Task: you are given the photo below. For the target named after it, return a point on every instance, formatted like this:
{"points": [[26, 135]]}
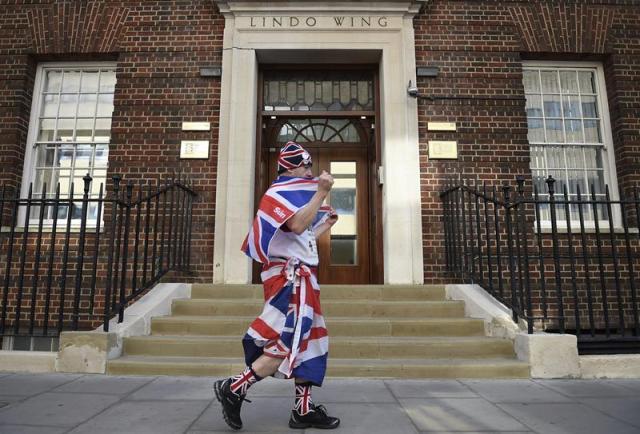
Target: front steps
{"points": [[375, 331]]}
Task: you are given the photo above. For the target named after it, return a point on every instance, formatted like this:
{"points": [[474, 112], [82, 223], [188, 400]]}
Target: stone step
{"points": [[331, 308], [328, 292], [237, 326], [339, 347], [370, 368]]}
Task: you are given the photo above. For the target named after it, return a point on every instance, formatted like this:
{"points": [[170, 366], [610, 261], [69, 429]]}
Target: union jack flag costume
{"points": [[291, 325]]}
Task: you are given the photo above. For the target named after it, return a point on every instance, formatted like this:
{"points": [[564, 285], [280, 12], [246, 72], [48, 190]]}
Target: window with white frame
{"points": [[70, 131], [568, 130]]}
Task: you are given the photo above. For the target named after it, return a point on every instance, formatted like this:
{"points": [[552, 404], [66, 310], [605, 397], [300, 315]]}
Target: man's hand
{"points": [[333, 218], [325, 182]]}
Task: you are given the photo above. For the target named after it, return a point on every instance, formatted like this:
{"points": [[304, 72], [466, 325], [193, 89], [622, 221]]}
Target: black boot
{"points": [[316, 418], [231, 403]]}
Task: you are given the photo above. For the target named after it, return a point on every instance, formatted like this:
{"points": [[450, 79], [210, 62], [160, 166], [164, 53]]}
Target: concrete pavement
{"points": [[69, 403]]}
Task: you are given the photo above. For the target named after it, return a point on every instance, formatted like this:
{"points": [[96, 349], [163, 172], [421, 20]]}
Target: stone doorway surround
{"points": [[331, 32]]}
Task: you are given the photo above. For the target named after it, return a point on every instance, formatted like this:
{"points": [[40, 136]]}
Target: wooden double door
{"points": [[342, 148]]}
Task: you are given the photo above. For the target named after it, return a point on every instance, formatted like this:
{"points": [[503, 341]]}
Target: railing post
{"points": [[52, 250], [125, 253], [506, 193], [80, 258], [23, 257], [574, 277], [616, 269], [36, 262], [585, 261], [110, 254], [496, 223], [603, 289], [525, 249], [556, 251]]}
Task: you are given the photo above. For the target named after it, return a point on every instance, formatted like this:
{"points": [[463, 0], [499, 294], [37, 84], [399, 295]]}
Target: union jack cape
{"points": [[291, 326], [282, 200]]}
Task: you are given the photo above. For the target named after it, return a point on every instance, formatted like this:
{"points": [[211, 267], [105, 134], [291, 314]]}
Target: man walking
{"points": [[289, 338]]}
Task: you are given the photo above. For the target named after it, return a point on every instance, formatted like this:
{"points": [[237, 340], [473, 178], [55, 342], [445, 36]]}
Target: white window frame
{"points": [[609, 163], [28, 172]]}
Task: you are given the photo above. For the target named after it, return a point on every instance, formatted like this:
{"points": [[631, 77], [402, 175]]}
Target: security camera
{"points": [[412, 90]]}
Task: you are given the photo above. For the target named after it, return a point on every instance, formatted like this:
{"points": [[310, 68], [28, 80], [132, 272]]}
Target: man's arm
{"points": [[301, 220], [321, 229]]}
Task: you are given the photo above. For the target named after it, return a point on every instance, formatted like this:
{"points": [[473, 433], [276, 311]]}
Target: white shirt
{"points": [[286, 244]]}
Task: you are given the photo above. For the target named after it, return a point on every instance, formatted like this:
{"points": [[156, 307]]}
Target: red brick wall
{"points": [[159, 47], [479, 46]]}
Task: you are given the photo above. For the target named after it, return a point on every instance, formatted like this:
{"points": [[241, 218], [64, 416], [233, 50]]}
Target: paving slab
{"points": [[28, 429], [624, 409], [56, 409], [566, 418], [262, 414], [459, 414], [176, 388], [429, 389], [104, 384], [352, 391], [144, 417], [511, 391], [628, 383], [587, 388], [10, 399], [367, 418], [32, 384]]}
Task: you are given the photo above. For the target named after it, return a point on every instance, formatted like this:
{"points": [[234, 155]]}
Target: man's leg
{"points": [[305, 414], [233, 390]]}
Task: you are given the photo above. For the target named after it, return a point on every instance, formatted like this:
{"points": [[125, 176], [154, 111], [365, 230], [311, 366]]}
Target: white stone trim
{"points": [[28, 361], [398, 123]]}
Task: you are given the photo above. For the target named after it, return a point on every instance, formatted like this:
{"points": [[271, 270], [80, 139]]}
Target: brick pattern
{"points": [[479, 46]]}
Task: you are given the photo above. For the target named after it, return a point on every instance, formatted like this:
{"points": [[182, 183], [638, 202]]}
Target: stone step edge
{"points": [[365, 339]]}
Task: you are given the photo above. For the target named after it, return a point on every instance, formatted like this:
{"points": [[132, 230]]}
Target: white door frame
{"points": [[389, 30]]}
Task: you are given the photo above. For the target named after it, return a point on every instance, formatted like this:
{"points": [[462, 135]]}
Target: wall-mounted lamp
{"points": [[427, 71], [211, 71], [412, 90]]}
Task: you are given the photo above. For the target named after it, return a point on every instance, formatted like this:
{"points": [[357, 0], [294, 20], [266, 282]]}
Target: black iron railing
{"points": [[564, 262], [71, 262]]}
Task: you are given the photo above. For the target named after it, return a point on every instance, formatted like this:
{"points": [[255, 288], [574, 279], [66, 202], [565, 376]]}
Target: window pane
{"points": [[84, 153], [592, 131], [53, 79], [552, 106], [531, 81], [107, 81], [569, 81], [87, 107], [68, 105], [89, 81], [534, 106], [587, 82], [102, 155], [537, 157], [47, 127], [573, 130], [589, 107], [84, 130], [594, 158], [575, 159], [50, 106], [343, 200], [105, 104], [571, 106], [64, 158], [549, 82], [554, 131], [71, 81], [554, 157], [536, 130], [65, 130], [45, 156], [103, 130]]}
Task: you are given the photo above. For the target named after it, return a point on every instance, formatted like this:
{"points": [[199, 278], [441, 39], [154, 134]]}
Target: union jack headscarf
{"points": [[292, 155]]}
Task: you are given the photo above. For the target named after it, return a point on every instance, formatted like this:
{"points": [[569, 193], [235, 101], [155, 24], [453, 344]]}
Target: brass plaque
{"points": [[443, 150], [196, 126], [441, 126], [194, 149]]}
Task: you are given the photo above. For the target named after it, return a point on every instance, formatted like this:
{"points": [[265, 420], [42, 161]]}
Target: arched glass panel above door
{"points": [[319, 130], [318, 91]]}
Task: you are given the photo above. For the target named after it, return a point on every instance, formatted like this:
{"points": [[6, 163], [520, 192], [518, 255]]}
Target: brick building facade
{"points": [[482, 49]]}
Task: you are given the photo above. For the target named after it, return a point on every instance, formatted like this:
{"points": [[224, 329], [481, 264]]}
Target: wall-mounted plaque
{"points": [[194, 149], [441, 126], [196, 126], [443, 150]]}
